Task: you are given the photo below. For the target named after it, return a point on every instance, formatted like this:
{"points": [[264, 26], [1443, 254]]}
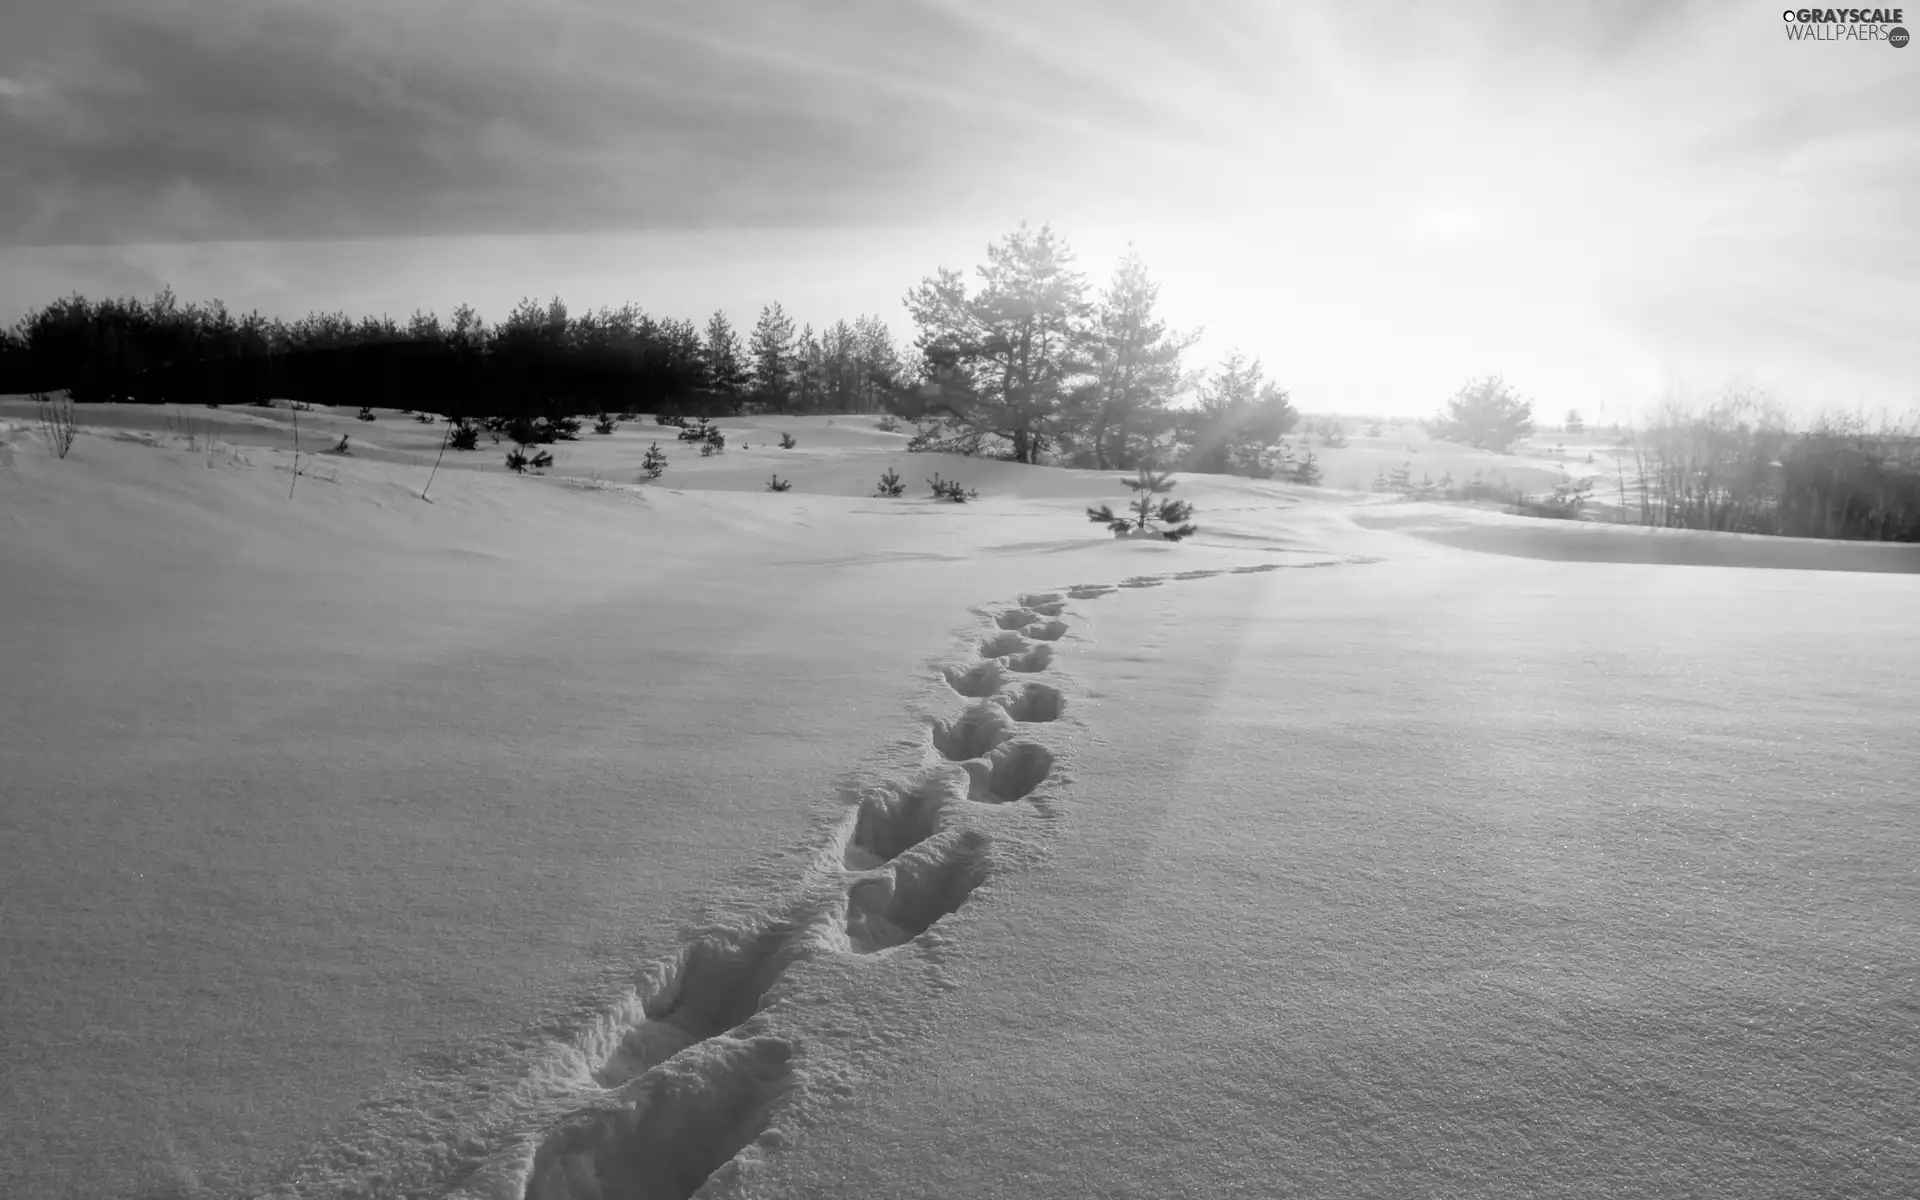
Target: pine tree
{"points": [[1005, 357], [771, 348], [1307, 470], [1486, 413], [1146, 485], [890, 484], [1136, 362], [726, 373], [654, 463], [1575, 423], [1239, 418]]}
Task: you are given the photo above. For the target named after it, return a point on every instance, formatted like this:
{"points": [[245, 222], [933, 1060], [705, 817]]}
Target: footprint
{"points": [[717, 982], [1051, 631], [894, 819], [1089, 591], [981, 679], [1016, 618], [1037, 659], [1048, 604], [1035, 703], [1141, 581], [1255, 569], [1009, 773], [1196, 575], [926, 883], [973, 733], [686, 1121], [1002, 644]]}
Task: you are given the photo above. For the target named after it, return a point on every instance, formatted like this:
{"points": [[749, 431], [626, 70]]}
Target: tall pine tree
{"points": [[1136, 360], [771, 348], [726, 373], [1011, 351]]}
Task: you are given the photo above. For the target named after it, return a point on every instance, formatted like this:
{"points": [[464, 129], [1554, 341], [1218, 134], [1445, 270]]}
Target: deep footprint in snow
{"points": [[894, 819], [687, 1120], [1089, 591], [977, 681], [1016, 618], [1009, 773], [1141, 581], [973, 733], [1048, 604], [717, 982], [1051, 631], [926, 883], [1037, 659], [1255, 569], [1196, 575], [1034, 703], [1002, 644]]}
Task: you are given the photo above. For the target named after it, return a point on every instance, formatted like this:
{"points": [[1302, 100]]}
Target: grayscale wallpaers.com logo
{"points": [[1846, 25]]}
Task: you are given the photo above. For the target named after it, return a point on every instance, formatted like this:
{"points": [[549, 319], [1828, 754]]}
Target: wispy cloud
{"points": [[1677, 181]]}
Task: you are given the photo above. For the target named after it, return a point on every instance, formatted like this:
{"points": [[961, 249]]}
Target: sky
{"points": [[1604, 202]]}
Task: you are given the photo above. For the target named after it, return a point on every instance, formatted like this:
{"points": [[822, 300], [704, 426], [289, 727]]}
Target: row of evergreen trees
{"points": [[541, 358], [1027, 364]]}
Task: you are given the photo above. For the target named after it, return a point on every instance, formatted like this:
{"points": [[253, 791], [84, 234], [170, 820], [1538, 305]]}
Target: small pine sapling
{"points": [[654, 463], [340, 447], [465, 436], [566, 429], [606, 424], [777, 484], [787, 441], [708, 450], [366, 413], [1307, 470], [517, 461], [890, 484], [1147, 484]]}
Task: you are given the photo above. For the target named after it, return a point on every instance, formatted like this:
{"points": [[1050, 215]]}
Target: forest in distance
{"points": [[1029, 364]]}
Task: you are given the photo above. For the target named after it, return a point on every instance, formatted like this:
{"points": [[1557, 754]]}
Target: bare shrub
{"points": [[56, 421]]}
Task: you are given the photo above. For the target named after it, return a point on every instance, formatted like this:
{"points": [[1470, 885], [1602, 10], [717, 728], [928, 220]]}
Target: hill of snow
{"points": [[568, 836]]}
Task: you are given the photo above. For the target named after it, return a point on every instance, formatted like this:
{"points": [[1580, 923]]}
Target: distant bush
{"points": [[464, 436], [424, 418], [777, 484], [366, 414], [606, 424], [669, 419], [340, 447], [787, 441], [888, 424]]}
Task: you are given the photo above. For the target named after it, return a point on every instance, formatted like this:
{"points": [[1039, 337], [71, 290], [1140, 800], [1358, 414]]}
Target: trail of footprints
{"points": [[691, 1077]]}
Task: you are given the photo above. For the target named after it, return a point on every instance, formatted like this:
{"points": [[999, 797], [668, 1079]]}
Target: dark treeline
{"points": [[1738, 468], [541, 358]]}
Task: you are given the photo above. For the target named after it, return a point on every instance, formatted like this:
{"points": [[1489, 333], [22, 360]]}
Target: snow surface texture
{"points": [[563, 838]]}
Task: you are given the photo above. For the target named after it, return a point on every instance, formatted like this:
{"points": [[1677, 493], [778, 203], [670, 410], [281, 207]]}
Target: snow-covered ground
{"points": [[571, 837]]}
